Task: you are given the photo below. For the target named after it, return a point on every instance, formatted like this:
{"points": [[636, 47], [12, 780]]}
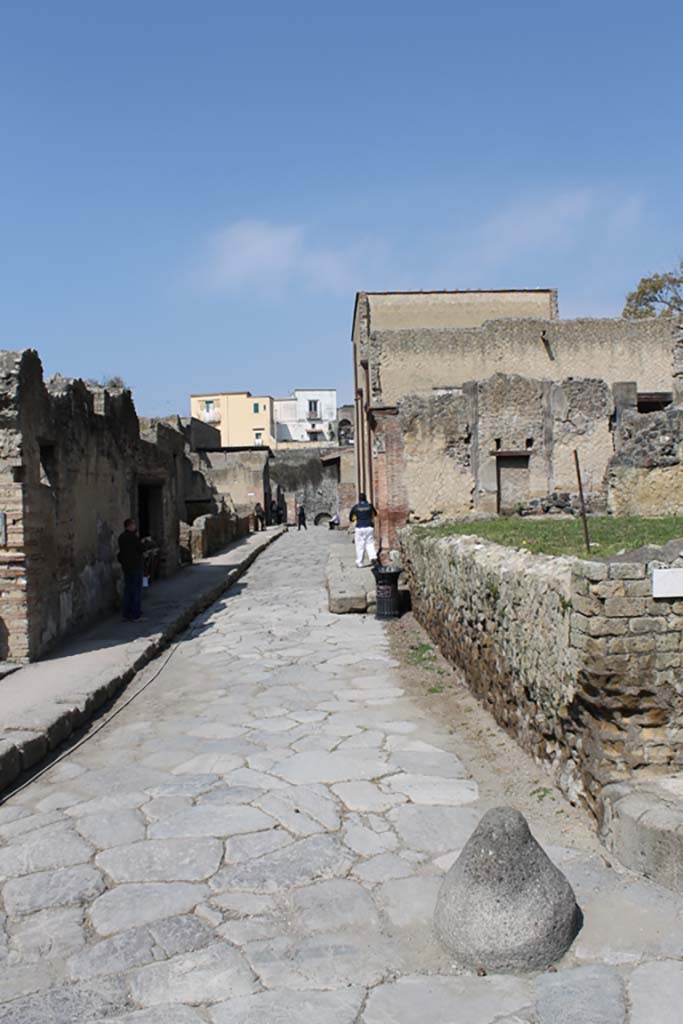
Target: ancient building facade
{"points": [[446, 424], [75, 462], [73, 466]]}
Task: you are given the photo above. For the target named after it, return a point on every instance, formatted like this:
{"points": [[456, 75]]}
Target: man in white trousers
{"points": [[362, 515]]}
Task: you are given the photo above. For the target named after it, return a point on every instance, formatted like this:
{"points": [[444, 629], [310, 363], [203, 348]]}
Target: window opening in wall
{"points": [[48, 465], [255, 407], [654, 401], [208, 405], [258, 437], [529, 442], [497, 442]]}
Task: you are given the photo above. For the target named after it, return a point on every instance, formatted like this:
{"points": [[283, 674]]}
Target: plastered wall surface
{"points": [[396, 310], [406, 361]]}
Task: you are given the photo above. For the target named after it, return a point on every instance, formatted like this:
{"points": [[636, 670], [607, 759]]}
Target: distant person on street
{"points": [[132, 562], [362, 515], [274, 514], [259, 517], [301, 517]]}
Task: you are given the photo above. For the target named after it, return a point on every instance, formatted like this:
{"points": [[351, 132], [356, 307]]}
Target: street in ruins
{"points": [[258, 838]]}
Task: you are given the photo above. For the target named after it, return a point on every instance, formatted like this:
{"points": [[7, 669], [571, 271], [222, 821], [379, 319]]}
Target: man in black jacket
{"points": [[362, 515], [131, 559]]}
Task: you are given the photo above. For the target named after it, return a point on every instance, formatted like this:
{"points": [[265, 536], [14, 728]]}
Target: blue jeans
{"points": [[132, 595]]}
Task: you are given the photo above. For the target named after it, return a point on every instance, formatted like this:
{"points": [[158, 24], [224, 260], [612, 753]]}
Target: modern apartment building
{"points": [[244, 420]]}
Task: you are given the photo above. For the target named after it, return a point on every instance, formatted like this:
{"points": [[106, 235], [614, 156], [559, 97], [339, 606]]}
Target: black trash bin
{"points": [[388, 598]]}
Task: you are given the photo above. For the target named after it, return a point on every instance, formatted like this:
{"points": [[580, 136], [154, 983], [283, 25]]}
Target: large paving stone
{"points": [[255, 844], [446, 1000], [181, 934], [112, 956], [212, 820], [284, 1007], [366, 797], [594, 994], [504, 905], [656, 993], [633, 921], [324, 961], [432, 790], [115, 829], [331, 906], [48, 934], [52, 889], [159, 1015], [313, 767], [302, 861], [40, 852], [409, 902], [303, 810], [68, 1004], [162, 860], [434, 829], [135, 904], [428, 762], [206, 976]]}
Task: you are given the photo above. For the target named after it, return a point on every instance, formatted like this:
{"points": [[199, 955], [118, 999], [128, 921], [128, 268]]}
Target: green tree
{"points": [[657, 295]]}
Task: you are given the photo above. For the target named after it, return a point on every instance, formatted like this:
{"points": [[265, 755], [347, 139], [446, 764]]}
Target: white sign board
{"points": [[667, 582]]}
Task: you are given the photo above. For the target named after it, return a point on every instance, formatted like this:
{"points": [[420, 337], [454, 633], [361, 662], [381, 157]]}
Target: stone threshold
{"points": [[43, 703]]}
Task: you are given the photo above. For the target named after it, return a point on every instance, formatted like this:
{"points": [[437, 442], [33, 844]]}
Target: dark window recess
{"points": [[529, 442], [497, 443], [654, 401], [48, 465], [18, 474]]}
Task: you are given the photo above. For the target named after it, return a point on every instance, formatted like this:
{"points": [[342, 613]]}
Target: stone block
{"points": [[642, 823], [647, 624], [626, 570], [10, 762], [504, 906], [625, 606], [593, 571]]}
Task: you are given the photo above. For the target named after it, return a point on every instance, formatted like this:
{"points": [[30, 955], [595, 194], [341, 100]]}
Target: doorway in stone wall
{"points": [[150, 512], [513, 482]]}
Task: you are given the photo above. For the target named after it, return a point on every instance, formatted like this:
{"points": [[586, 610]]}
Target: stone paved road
{"points": [[258, 839]]}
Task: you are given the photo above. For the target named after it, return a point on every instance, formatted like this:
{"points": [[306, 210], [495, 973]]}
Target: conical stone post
{"points": [[504, 906]]}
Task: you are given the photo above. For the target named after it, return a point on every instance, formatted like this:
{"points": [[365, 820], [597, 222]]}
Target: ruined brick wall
{"points": [[211, 533], [390, 495], [646, 471], [14, 633], [506, 443], [80, 463], [239, 478], [305, 478], [575, 659]]}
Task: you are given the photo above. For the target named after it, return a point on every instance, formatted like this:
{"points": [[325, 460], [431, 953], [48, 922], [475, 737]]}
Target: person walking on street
{"points": [[259, 517], [362, 515], [301, 517], [131, 558]]}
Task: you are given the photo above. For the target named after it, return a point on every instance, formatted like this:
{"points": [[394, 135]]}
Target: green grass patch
{"points": [[609, 534]]}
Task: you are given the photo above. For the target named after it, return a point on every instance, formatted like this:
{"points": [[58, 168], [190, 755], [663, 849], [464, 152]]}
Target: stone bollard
{"points": [[504, 906]]}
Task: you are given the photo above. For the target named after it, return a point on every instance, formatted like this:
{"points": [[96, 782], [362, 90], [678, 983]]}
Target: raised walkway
{"points": [[43, 703]]}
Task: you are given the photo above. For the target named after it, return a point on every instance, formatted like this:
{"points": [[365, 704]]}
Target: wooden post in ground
{"points": [[586, 535]]}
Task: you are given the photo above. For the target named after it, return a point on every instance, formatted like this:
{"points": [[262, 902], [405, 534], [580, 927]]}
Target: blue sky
{"points": [[191, 193]]}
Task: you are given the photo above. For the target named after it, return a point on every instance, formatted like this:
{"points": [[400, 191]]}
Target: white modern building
{"points": [[309, 414]]}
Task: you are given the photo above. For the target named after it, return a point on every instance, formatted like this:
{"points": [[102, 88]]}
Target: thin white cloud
{"points": [[269, 258], [545, 224]]}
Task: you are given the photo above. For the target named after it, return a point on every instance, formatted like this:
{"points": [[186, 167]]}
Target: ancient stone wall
{"points": [[78, 467], [211, 533], [304, 477], [403, 362], [240, 478], [575, 659], [502, 444], [646, 471]]}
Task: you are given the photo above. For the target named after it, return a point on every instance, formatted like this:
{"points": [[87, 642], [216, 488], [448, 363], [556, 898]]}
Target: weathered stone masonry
{"points": [[575, 659]]}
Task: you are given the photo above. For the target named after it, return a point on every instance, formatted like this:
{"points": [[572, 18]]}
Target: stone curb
{"points": [[24, 747], [642, 824]]}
